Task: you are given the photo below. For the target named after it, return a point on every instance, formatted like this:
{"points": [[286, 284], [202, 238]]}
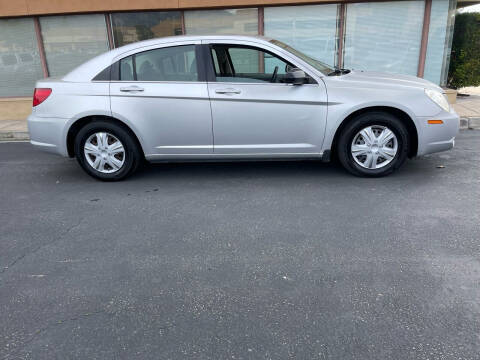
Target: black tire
{"points": [[362, 121], [132, 156]]}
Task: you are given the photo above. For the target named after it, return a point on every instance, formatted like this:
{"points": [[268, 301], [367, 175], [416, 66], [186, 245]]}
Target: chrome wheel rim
{"points": [[104, 152], [374, 147]]}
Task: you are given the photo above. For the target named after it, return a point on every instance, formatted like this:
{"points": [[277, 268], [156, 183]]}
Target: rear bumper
{"points": [[47, 134], [434, 138]]}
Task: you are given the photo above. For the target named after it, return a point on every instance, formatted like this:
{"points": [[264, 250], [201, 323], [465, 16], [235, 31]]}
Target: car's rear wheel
{"points": [[373, 144], [106, 151]]}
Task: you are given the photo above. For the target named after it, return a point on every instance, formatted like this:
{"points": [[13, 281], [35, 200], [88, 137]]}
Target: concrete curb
{"points": [[470, 123], [14, 136], [474, 123]]}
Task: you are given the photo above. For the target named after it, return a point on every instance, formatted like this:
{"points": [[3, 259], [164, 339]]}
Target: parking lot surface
{"points": [[259, 260]]}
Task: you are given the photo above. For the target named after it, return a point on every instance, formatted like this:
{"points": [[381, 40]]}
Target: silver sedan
{"points": [[235, 97]]}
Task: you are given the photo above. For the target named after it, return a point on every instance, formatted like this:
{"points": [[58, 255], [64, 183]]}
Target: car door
{"points": [[253, 111], [162, 93]]}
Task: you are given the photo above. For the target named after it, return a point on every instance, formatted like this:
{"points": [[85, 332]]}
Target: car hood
{"points": [[388, 79]]}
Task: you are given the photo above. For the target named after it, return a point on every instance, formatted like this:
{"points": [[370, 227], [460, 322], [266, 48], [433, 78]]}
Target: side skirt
{"points": [[159, 158]]}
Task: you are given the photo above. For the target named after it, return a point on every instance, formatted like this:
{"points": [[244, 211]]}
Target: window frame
{"points": [[210, 66]]}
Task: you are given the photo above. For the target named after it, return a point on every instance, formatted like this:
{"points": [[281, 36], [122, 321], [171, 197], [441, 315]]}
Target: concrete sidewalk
{"points": [[467, 107], [13, 130]]}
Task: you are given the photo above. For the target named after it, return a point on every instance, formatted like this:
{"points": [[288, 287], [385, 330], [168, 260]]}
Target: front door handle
{"points": [[132, 88], [228, 91]]}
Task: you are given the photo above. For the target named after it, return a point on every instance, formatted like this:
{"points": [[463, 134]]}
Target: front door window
{"points": [[245, 64]]}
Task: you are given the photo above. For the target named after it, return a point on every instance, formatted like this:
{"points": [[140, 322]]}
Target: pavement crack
{"points": [[21, 257]]}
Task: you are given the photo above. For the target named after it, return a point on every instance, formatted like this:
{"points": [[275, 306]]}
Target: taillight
{"points": [[40, 95]]}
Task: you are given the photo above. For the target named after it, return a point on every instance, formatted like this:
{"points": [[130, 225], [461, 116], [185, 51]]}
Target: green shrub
{"points": [[465, 59]]}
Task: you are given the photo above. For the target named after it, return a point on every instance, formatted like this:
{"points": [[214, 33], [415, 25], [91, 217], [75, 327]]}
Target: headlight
{"points": [[438, 98]]}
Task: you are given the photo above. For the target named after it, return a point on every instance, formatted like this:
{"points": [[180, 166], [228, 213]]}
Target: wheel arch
{"points": [[408, 121], [81, 122]]}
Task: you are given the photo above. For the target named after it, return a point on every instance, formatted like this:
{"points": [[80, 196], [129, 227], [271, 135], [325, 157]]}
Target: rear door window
{"points": [[126, 69], [177, 63]]}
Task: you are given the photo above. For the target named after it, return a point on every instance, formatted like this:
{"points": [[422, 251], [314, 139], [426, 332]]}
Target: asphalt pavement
{"points": [[280, 260]]}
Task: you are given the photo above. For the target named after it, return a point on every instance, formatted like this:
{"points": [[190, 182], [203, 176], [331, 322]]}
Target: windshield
{"points": [[317, 64]]}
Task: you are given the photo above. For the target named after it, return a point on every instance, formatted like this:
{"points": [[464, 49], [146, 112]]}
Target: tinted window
{"points": [[215, 62], [167, 64], [126, 69], [104, 75]]}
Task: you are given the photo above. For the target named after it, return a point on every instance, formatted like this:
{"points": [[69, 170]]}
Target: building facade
{"points": [[45, 38]]}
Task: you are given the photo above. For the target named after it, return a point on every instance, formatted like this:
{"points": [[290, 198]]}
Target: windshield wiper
{"points": [[338, 71]]}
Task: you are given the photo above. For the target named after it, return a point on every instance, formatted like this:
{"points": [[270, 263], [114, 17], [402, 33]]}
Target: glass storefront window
{"points": [[310, 29], [384, 36], [71, 40], [227, 21], [131, 27], [20, 63], [439, 41]]}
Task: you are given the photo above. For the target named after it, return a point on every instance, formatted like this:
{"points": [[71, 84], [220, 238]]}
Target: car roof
{"points": [[92, 67], [167, 39]]}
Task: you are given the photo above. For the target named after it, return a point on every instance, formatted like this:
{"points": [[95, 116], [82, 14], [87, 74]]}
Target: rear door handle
{"points": [[132, 88], [228, 91]]}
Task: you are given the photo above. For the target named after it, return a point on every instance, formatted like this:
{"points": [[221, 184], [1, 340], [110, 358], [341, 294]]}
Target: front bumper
{"points": [[48, 134], [434, 138]]}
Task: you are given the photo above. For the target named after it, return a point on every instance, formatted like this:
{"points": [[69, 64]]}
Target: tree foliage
{"points": [[465, 58]]}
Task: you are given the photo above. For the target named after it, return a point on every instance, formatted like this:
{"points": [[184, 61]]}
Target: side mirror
{"points": [[296, 77]]}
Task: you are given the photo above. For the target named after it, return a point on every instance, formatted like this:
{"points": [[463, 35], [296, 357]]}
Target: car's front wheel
{"points": [[106, 151], [373, 144]]}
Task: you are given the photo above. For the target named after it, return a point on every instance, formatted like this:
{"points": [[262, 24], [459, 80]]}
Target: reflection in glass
{"points": [[440, 41], [71, 40], [176, 63], [317, 64], [126, 69], [137, 26], [310, 29], [20, 63], [227, 21], [384, 36], [248, 64]]}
